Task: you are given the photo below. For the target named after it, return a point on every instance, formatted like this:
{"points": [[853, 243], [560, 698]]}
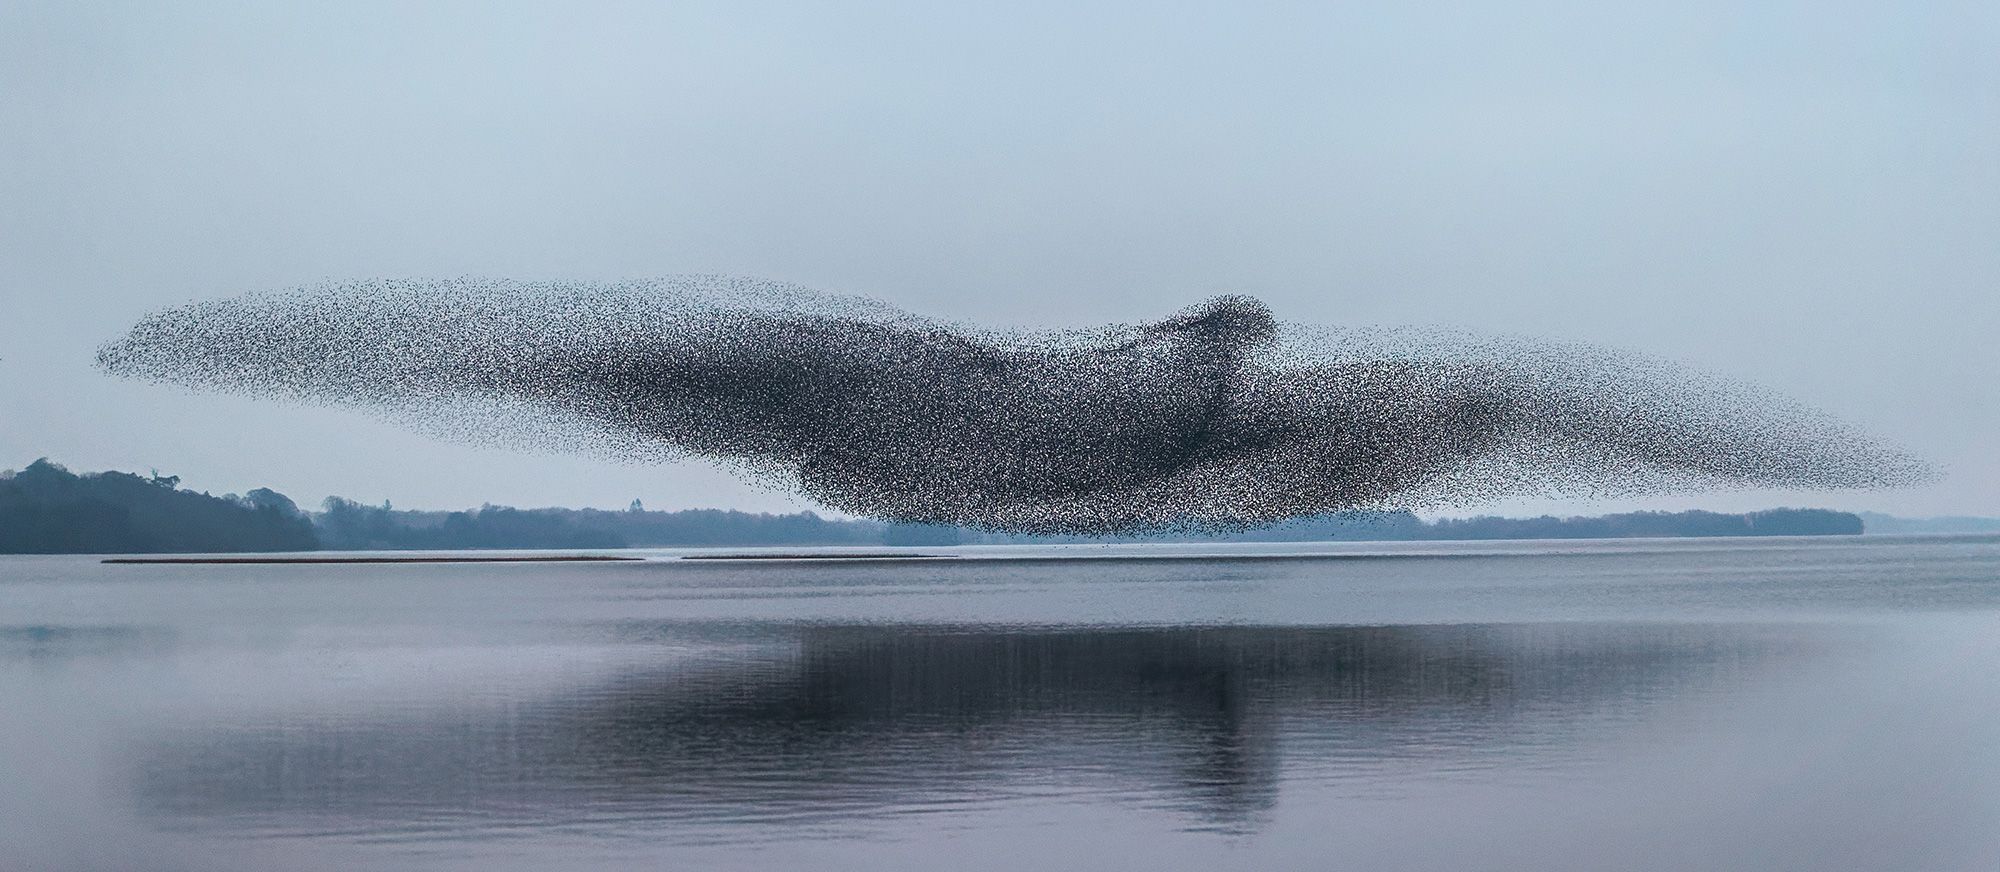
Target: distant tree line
{"points": [[48, 509], [1771, 522], [347, 525], [1960, 524], [1405, 526]]}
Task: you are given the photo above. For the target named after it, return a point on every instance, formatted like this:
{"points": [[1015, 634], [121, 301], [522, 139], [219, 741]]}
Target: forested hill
{"points": [[47, 509]]}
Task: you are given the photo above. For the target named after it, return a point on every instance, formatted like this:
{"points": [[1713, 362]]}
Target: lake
{"points": [[1756, 704]]}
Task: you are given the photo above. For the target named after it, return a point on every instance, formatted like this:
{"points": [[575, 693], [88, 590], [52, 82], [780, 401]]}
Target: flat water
{"points": [[1771, 704]]}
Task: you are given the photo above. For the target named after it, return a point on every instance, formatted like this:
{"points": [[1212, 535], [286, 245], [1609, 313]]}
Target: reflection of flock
{"points": [[1219, 417], [58, 642], [827, 725]]}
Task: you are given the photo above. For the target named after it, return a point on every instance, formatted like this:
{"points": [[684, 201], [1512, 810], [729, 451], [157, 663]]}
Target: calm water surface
{"points": [[1808, 704]]}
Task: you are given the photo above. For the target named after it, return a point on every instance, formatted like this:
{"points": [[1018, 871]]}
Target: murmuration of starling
{"points": [[1215, 418]]}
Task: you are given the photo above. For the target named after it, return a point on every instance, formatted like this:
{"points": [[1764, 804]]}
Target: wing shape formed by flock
{"points": [[1217, 417]]}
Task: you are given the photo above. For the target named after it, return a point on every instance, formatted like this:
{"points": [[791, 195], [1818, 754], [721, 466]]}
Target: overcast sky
{"points": [[1806, 195]]}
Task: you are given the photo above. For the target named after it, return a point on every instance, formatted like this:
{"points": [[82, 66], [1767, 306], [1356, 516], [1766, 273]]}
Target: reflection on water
{"points": [[1572, 707], [47, 642], [828, 726]]}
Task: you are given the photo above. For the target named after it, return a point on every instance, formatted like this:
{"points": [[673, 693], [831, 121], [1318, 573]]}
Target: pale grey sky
{"points": [[1806, 195]]}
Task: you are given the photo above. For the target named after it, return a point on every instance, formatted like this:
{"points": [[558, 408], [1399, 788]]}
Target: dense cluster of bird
{"points": [[1217, 417]]}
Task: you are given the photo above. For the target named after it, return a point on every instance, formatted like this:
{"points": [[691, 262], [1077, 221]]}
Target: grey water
{"points": [[1771, 704]]}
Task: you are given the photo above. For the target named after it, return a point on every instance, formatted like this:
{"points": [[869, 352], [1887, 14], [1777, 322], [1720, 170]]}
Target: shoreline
{"points": [[552, 558]]}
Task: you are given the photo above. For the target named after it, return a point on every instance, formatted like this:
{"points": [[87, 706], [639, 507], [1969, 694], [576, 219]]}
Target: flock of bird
{"points": [[1217, 417]]}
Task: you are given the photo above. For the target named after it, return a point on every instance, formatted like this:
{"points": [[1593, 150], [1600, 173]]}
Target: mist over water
{"points": [[1769, 704]]}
